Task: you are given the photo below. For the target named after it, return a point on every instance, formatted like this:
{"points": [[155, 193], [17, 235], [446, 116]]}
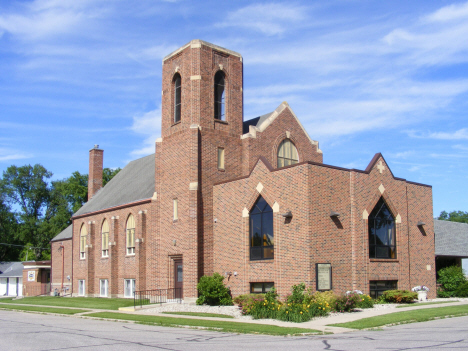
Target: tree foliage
{"points": [[454, 216], [34, 209]]}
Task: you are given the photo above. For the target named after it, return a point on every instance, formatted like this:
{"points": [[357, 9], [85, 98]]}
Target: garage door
{"points": [[3, 286], [12, 291]]}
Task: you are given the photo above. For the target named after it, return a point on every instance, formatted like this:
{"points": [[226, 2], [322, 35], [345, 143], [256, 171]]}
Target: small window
{"points": [[287, 153], [219, 96], [104, 286], [129, 287], [220, 158], [130, 235], [377, 287], [261, 288], [261, 231], [83, 235], [381, 232], [105, 238], [81, 288], [175, 203], [177, 82]]}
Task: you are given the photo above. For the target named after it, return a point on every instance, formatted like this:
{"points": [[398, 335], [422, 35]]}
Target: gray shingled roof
{"points": [[451, 238], [11, 269], [65, 234], [134, 182], [257, 121]]}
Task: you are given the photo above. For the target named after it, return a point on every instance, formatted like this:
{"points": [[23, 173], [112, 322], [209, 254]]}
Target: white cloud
{"points": [[148, 124], [9, 155], [45, 18], [449, 13], [267, 18], [461, 134]]}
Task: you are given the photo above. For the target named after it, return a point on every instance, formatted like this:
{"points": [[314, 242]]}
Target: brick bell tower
{"points": [[202, 115]]}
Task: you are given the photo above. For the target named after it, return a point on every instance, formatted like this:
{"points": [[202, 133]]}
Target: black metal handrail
{"points": [[147, 297]]}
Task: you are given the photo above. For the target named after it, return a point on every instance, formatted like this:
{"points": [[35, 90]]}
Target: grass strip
{"points": [[41, 309], [200, 314], [421, 315], [229, 327], [423, 303], [76, 302]]}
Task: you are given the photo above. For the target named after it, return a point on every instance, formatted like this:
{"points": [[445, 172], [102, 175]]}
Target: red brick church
{"points": [[251, 200]]}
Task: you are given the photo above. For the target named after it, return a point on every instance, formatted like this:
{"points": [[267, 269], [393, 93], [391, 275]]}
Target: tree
{"points": [[27, 189], [454, 216], [8, 225], [108, 174]]}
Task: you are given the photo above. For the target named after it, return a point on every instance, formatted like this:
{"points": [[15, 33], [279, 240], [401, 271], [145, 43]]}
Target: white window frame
{"points": [[106, 287], [132, 287], [81, 287]]}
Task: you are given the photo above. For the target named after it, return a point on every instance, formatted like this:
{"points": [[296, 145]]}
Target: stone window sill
{"points": [[384, 260]]}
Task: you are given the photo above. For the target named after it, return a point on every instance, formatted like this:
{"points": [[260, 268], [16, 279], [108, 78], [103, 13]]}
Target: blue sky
{"points": [[362, 76]]}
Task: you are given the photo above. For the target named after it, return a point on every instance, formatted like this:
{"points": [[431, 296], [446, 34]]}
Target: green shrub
{"points": [[247, 301], [296, 312], [366, 302], [450, 278], [212, 291], [462, 290], [323, 297], [297, 296], [266, 308], [399, 296], [346, 302]]}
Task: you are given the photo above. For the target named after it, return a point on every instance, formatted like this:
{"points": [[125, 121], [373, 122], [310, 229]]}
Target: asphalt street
{"points": [[28, 331]]}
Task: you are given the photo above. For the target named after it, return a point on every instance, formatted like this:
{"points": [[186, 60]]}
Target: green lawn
{"points": [[77, 302], [230, 327], [421, 315], [422, 304], [41, 309], [200, 314]]}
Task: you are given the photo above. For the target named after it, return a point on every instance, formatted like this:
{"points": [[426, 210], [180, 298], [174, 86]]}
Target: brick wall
{"points": [[311, 191]]}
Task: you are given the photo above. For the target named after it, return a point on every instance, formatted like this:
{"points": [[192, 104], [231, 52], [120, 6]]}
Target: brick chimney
{"points": [[95, 170]]}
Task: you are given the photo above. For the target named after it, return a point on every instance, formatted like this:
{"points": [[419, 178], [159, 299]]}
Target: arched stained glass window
{"points": [[105, 238], [83, 235], [219, 96], [130, 235], [287, 153], [381, 232], [261, 231], [177, 82]]}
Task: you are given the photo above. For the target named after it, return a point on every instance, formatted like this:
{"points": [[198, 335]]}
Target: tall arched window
{"points": [[130, 235], [287, 153], [83, 235], [177, 82], [105, 238], [219, 96], [261, 231], [381, 232]]}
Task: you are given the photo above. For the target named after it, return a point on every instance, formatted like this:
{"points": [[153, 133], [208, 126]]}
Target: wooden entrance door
{"points": [[178, 279]]}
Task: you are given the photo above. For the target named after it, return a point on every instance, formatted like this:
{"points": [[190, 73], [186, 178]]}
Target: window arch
{"points": [[261, 231], [177, 86], [130, 230], [105, 238], [287, 153], [83, 235], [382, 243], [220, 96]]}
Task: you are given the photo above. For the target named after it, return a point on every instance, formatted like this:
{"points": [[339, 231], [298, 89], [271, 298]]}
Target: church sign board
{"points": [[323, 276]]}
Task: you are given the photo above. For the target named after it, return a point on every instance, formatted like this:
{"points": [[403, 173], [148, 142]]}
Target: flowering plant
{"points": [[420, 288], [359, 292]]}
